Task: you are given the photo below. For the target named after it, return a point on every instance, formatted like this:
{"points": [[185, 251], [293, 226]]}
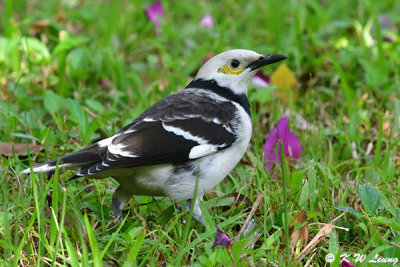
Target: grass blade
{"points": [[97, 261], [284, 194]]}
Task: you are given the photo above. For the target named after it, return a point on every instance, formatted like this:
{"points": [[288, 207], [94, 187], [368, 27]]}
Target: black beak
{"points": [[265, 60]]}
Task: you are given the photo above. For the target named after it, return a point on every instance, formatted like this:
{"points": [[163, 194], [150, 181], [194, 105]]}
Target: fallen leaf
{"points": [[61, 16], [250, 215], [162, 84], [38, 26], [324, 232], [307, 80], [8, 149], [386, 128], [299, 237]]}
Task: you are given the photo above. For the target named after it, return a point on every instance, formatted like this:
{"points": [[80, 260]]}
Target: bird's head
{"points": [[235, 68]]}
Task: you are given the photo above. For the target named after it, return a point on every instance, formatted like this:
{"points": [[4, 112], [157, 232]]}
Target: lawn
{"points": [[74, 72]]}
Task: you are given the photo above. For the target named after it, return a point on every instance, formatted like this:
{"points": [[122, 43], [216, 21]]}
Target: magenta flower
{"points": [[260, 80], [101, 83], [222, 239], [155, 12], [207, 21], [291, 144], [347, 264]]}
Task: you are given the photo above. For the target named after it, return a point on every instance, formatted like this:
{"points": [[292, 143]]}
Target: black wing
{"points": [[181, 127]]}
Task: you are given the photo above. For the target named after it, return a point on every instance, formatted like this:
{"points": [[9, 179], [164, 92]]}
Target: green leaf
{"points": [[78, 115], [95, 105], [7, 47], [69, 43], [53, 102], [35, 50], [72, 254], [264, 95], [272, 239], [93, 243], [134, 251], [334, 248], [304, 196], [369, 198], [79, 63], [237, 249], [386, 221], [166, 215], [312, 187], [352, 211], [387, 204]]}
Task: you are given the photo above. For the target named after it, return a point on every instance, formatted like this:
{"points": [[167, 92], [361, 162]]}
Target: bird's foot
{"points": [[119, 200], [196, 210]]}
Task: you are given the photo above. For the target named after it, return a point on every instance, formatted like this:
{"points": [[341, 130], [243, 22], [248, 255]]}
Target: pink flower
{"points": [[155, 12], [101, 83], [207, 21], [347, 264], [222, 239], [260, 80], [291, 144]]}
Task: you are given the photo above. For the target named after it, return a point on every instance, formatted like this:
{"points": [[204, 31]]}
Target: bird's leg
{"points": [[196, 209], [119, 200]]}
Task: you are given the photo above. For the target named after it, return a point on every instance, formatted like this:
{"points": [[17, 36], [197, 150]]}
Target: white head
{"points": [[235, 68]]}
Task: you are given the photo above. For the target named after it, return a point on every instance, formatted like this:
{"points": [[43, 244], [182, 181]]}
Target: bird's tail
{"points": [[76, 160]]}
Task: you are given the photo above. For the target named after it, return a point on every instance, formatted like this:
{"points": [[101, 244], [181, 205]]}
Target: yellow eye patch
{"points": [[227, 70]]}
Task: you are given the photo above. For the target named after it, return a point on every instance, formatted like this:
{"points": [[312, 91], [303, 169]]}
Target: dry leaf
{"points": [[300, 236], [8, 149], [162, 84], [307, 79], [61, 17], [250, 216], [324, 232], [284, 79], [386, 128], [38, 26]]}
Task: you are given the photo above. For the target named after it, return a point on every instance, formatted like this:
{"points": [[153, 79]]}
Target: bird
{"points": [[182, 146]]}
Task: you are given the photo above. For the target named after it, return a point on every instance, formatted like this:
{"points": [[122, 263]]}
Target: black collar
{"points": [[225, 92]]}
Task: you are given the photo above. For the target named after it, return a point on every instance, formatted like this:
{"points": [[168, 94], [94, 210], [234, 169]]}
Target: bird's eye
{"points": [[235, 63]]}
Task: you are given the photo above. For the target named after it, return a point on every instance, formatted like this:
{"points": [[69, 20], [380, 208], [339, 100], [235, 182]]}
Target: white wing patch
{"points": [[148, 119], [117, 150], [105, 142], [184, 134], [202, 150], [46, 168], [129, 131], [216, 121], [226, 127]]}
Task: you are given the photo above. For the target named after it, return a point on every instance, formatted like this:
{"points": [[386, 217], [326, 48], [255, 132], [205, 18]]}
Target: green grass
{"points": [[50, 91]]}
